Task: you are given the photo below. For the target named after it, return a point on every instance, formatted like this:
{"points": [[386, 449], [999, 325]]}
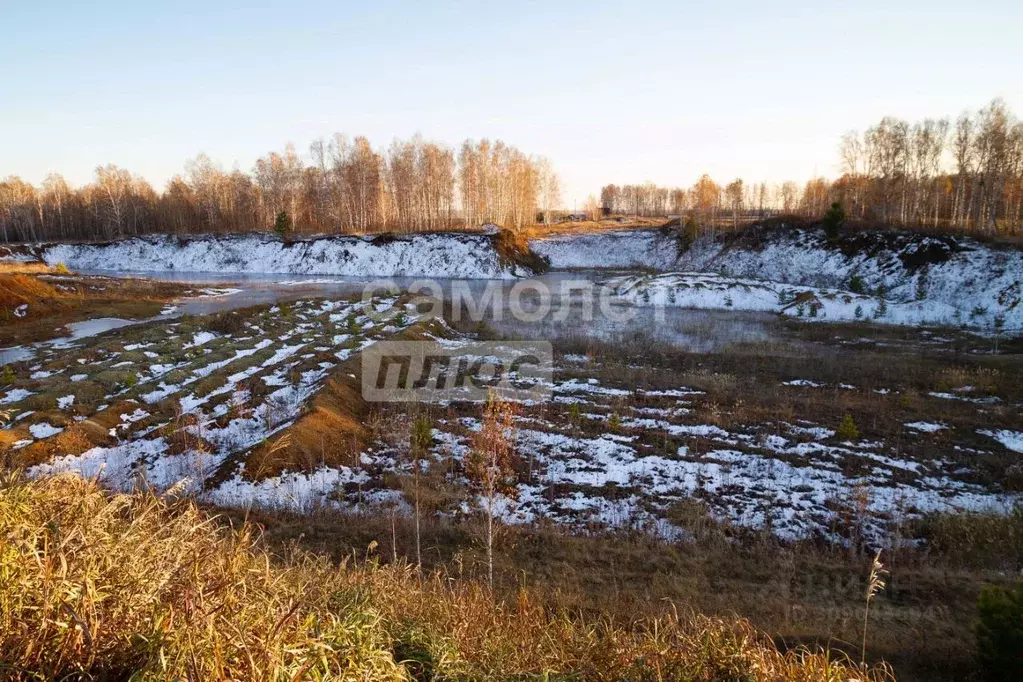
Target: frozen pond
{"points": [[553, 305]]}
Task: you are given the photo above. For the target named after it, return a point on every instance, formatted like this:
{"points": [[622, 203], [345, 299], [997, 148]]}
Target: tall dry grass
{"points": [[95, 585], [112, 586]]}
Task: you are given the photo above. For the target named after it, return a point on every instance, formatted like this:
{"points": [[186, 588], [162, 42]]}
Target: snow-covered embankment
{"points": [[469, 256], [924, 279]]}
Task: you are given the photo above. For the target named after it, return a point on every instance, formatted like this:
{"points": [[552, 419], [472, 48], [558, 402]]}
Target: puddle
{"points": [[14, 354], [78, 330], [95, 326]]}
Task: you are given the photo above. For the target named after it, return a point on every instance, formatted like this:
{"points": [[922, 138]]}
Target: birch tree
{"points": [[489, 467]]}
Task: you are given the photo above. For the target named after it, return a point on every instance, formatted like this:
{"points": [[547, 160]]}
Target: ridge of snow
{"points": [[466, 256]]}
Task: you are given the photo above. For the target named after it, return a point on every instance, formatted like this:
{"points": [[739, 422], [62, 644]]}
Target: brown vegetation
{"points": [[50, 302], [330, 433], [115, 586]]}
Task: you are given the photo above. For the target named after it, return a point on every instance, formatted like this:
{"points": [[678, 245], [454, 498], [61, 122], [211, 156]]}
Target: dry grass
{"points": [[73, 440], [594, 226], [116, 586], [330, 432], [24, 267], [18, 289], [512, 248], [55, 302], [808, 593]]}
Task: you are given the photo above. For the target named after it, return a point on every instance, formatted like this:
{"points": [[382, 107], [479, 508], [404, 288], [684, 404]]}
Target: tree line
{"points": [[966, 176], [344, 185]]}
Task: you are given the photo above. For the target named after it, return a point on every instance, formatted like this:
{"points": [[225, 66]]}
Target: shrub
{"points": [[882, 303], [614, 422], [1000, 633], [61, 269], [282, 225], [833, 220], [7, 377], [856, 284], [847, 430], [574, 414], [225, 323]]}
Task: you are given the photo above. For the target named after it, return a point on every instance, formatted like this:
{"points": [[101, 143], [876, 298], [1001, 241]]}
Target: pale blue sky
{"points": [[610, 92]]}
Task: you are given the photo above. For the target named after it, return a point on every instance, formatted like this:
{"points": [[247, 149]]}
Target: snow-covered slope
{"points": [[423, 255], [711, 291], [617, 249], [949, 274]]}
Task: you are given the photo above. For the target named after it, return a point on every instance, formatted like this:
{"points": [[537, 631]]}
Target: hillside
{"points": [[963, 281], [421, 255]]}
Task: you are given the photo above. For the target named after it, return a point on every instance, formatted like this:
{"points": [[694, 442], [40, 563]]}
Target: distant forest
{"points": [[345, 185], [965, 176]]}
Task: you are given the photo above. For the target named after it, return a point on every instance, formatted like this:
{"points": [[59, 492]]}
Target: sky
{"points": [[622, 92]]}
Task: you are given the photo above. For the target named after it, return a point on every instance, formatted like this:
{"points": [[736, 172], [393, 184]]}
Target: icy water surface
{"points": [[80, 330], [14, 354], [572, 301]]}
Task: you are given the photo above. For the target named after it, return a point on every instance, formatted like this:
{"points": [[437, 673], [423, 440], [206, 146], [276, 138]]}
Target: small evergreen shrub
{"points": [[882, 304], [574, 414], [282, 226], [833, 220], [856, 284], [847, 430]]}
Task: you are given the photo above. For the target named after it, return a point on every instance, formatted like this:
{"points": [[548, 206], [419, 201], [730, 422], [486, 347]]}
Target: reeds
{"points": [[110, 586], [875, 584]]}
